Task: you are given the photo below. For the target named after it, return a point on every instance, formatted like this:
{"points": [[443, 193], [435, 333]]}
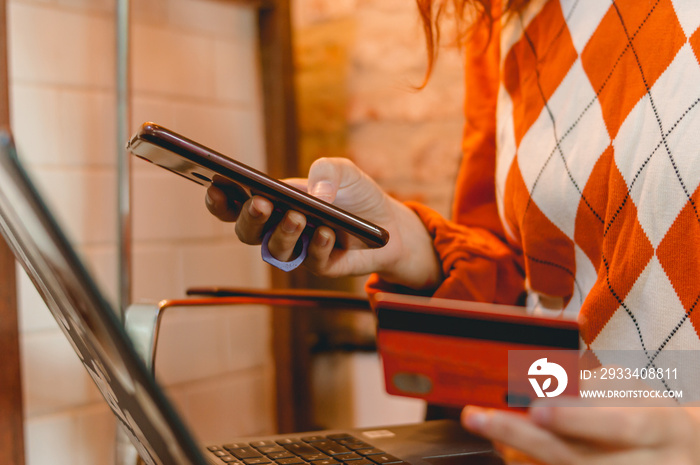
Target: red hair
{"points": [[467, 13]]}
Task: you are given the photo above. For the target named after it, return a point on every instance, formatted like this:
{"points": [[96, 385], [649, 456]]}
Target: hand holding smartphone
{"points": [[205, 166]]}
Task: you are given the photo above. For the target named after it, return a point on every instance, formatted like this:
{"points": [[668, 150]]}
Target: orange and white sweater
{"points": [[579, 180]]}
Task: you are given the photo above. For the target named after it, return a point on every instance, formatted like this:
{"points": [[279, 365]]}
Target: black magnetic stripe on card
{"points": [[476, 328]]}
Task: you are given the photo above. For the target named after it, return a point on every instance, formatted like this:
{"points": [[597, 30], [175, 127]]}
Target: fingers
{"points": [[324, 179], [299, 183], [519, 432], [320, 248], [251, 218], [565, 435], [250, 228], [218, 204], [251, 221], [285, 236], [619, 427], [327, 175], [284, 241]]}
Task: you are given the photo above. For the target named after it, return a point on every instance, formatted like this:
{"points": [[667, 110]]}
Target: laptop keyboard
{"points": [[333, 449]]}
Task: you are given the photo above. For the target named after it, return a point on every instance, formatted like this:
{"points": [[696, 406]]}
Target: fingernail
{"points": [[289, 224], [208, 200], [476, 421], [323, 238], [252, 210], [541, 415], [323, 190]]}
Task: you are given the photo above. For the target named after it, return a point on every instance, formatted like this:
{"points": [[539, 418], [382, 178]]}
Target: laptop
{"points": [[155, 429]]}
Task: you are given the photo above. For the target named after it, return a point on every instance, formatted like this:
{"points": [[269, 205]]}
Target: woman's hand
{"points": [[408, 259], [583, 432]]}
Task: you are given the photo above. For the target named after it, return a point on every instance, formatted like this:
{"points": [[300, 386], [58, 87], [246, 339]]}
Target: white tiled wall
{"points": [[194, 69]]}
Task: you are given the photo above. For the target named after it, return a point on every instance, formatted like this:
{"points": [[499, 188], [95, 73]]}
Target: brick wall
{"points": [[358, 64], [194, 69]]}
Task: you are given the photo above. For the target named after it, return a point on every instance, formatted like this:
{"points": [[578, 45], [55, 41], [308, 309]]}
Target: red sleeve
{"points": [[477, 261]]}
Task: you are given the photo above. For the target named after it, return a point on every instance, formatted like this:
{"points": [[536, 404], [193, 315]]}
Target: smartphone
{"points": [[205, 166]]}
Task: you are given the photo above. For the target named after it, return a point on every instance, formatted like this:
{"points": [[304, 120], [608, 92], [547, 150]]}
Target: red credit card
{"points": [[456, 353]]}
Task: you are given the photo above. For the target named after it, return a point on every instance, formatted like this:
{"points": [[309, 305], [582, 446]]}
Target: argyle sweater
{"points": [[580, 174]]}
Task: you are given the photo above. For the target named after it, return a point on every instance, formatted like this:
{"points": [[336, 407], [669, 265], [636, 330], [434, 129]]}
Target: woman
{"points": [[577, 191]]}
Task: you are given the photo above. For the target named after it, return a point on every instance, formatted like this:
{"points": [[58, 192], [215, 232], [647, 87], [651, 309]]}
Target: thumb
{"points": [[327, 175]]}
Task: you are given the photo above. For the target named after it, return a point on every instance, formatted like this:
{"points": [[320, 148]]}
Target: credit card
{"points": [[456, 353]]}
